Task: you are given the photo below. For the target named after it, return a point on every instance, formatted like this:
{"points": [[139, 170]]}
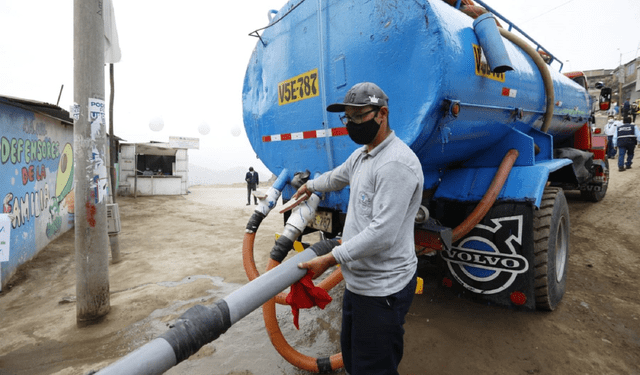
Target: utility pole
{"points": [[621, 79], [113, 237], [90, 155]]}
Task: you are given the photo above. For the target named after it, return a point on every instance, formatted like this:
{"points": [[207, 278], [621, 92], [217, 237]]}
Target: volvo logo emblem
{"points": [[483, 266]]}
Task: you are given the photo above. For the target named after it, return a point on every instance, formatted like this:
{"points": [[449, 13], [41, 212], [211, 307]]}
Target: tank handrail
{"points": [[255, 32], [513, 26]]}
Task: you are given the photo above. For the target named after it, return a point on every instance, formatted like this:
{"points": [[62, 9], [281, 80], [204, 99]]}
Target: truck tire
{"points": [[551, 248], [597, 196]]}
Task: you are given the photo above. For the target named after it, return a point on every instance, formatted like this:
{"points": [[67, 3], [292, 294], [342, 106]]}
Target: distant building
{"points": [[626, 75], [154, 168]]}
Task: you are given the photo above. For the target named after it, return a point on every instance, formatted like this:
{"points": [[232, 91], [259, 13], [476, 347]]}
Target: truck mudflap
{"points": [[596, 189], [495, 263], [516, 256]]}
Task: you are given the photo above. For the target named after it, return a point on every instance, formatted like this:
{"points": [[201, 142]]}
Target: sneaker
{"points": [[248, 204], [628, 167], [621, 169]]}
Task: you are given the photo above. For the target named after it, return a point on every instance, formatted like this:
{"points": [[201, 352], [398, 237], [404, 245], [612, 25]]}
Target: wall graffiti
{"points": [[22, 208], [32, 172], [15, 150], [36, 188]]}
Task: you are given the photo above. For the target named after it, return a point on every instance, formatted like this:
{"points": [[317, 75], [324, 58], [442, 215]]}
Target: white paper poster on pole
{"points": [[96, 116], [5, 237]]}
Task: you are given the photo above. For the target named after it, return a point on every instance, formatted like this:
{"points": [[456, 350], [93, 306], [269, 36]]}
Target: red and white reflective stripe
{"points": [[509, 92], [333, 132]]}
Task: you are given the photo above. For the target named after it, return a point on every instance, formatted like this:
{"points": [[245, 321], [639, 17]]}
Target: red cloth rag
{"points": [[304, 295]]}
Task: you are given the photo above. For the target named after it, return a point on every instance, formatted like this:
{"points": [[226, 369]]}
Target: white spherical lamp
{"points": [[156, 124], [203, 128]]}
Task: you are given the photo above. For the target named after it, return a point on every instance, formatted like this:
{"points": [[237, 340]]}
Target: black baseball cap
{"points": [[360, 95]]}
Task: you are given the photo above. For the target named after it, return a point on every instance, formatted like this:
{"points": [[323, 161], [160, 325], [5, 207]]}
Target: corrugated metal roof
{"points": [[153, 148], [46, 109]]}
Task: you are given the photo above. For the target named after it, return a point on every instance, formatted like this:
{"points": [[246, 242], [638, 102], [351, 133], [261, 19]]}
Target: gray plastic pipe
{"points": [[201, 325]]}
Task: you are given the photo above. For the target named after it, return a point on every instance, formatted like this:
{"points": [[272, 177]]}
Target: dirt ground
{"points": [[182, 251]]}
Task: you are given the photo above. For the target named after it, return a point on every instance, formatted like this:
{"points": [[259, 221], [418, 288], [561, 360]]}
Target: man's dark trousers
{"points": [[372, 331], [626, 146], [611, 152], [250, 188]]}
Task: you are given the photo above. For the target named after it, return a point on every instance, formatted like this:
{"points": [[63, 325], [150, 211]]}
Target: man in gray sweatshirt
{"points": [[377, 254]]}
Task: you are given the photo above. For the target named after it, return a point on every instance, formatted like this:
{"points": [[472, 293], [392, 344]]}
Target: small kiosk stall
{"points": [[155, 168]]}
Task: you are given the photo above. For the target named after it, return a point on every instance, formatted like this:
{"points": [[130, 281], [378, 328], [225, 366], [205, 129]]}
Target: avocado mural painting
{"points": [[36, 188]]}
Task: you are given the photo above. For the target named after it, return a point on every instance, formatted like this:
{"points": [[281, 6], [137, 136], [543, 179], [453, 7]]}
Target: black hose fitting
{"points": [[324, 247], [281, 249], [299, 179], [197, 327], [254, 222]]}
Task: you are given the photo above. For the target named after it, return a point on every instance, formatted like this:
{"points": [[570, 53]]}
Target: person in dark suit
{"points": [[253, 180]]}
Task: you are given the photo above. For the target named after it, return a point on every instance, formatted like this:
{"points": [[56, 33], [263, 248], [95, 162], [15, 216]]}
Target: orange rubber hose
{"points": [[269, 312], [489, 197], [247, 256], [281, 345]]}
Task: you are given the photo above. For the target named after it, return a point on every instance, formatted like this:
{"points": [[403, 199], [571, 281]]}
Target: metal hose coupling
{"points": [[303, 214], [298, 220]]}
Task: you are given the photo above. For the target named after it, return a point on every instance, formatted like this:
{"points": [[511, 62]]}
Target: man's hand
{"points": [[319, 265], [303, 190], [300, 196]]}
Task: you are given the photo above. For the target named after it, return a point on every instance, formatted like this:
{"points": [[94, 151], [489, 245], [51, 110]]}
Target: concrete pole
{"points": [[90, 156]]}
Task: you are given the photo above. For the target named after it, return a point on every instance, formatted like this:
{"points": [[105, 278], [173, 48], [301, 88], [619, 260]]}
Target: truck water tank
{"points": [[425, 55]]}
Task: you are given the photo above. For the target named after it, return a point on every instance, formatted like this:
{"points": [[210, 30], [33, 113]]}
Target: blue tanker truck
{"points": [[499, 131]]}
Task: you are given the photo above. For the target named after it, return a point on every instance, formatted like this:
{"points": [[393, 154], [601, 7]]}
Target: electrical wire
{"points": [[547, 12]]}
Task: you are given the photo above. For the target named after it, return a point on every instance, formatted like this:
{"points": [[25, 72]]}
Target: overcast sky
{"points": [[185, 61]]}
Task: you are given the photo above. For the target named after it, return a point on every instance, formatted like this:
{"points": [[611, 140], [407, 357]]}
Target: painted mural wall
{"points": [[36, 186]]}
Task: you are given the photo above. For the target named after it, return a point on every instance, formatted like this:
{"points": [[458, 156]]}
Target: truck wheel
{"points": [[597, 196], [551, 248]]}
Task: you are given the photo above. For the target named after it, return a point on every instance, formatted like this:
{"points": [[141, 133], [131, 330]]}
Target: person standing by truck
{"points": [[626, 108], [377, 253], [625, 139], [252, 180], [609, 130]]}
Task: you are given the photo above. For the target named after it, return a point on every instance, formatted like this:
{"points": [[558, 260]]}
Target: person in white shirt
{"points": [[377, 254], [610, 130]]}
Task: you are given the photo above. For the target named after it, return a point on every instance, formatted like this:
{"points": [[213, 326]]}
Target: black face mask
{"points": [[364, 132]]}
